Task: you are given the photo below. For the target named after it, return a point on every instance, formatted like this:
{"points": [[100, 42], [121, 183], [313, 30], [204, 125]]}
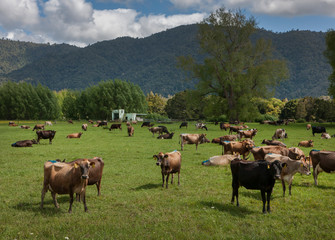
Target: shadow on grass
{"points": [[232, 209], [147, 186], [48, 208]]}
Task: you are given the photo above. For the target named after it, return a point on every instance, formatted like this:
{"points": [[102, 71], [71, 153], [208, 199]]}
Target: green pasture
{"points": [[133, 205]]}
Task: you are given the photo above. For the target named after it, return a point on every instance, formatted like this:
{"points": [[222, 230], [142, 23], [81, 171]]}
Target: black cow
{"points": [[318, 129], [24, 143], [257, 175], [183, 124], [166, 136], [49, 134], [102, 123], [147, 124], [164, 129]]}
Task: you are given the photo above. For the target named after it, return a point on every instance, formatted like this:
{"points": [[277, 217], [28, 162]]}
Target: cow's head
{"points": [[159, 158], [304, 168], [275, 168], [84, 166]]}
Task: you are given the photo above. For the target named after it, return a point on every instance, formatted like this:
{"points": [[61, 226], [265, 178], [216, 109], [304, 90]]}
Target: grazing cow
{"points": [[242, 147], [247, 133], [84, 126], [38, 126], [49, 134], [273, 142], [154, 130], [308, 126], [66, 178], [318, 129], [74, 135], [48, 123], [200, 126], [164, 129], [25, 127], [24, 143], [115, 126], [130, 131], [146, 124], [102, 123], [183, 124], [258, 175], [70, 121], [166, 136], [291, 168], [90, 121], [325, 135], [196, 139], [224, 126], [260, 152], [322, 161], [228, 138], [279, 134], [221, 160], [235, 129], [170, 163], [308, 143], [95, 174]]}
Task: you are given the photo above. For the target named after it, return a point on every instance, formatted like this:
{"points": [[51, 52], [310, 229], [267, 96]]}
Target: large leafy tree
{"points": [[156, 103], [330, 54], [234, 68]]}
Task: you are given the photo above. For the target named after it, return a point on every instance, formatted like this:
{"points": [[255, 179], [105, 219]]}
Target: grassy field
{"points": [[133, 205]]}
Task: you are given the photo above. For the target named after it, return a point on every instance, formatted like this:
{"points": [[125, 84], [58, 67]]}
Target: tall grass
{"points": [[133, 205]]}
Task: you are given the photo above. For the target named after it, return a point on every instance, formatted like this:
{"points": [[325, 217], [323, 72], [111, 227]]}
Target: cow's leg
{"points": [[163, 178], [167, 179], [182, 146], [178, 178], [71, 202], [263, 200], [290, 186], [315, 175], [284, 187], [99, 187], [44, 190], [83, 196], [77, 197], [54, 198], [50, 141], [171, 178], [268, 199], [196, 146]]}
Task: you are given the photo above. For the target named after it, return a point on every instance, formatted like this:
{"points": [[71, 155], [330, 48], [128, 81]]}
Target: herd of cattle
{"points": [[274, 161]]}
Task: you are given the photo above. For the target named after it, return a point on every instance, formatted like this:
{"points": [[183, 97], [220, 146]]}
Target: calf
{"points": [[196, 139], [154, 130], [170, 163], [84, 126], [130, 131], [38, 126], [258, 175], [308, 143], [24, 143], [322, 161], [49, 134], [166, 136], [291, 168], [183, 124], [115, 126], [279, 133], [66, 178], [74, 135]]}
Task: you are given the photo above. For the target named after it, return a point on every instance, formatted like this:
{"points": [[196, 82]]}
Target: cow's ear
{"points": [[155, 157], [76, 165], [166, 156], [92, 164]]}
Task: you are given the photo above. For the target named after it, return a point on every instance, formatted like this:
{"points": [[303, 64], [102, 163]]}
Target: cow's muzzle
{"points": [[84, 176]]}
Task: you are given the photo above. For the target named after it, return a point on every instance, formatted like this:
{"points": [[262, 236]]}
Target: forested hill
{"points": [[151, 62]]}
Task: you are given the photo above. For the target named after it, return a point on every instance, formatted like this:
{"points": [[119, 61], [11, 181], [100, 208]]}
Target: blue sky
{"points": [[83, 22]]}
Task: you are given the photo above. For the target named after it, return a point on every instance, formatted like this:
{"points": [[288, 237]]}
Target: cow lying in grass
{"points": [[24, 143]]}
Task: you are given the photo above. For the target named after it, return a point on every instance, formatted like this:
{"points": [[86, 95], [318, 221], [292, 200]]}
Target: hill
{"points": [[151, 62]]}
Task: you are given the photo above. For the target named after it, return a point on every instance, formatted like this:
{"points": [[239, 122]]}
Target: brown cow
{"points": [[84, 126], [308, 143], [154, 130], [322, 161], [221, 160], [115, 126], [24, 143], [242, 147], [247, 133], [48, 123], [301, 154], [196, 139], [279, 133], [308, 126], [235, 129], [170, 163], [38, 126], [25, 127], [49, 134], [273, 142], [232, 137], [166, 136], [260, 152], [66, 178], [74, 135], [224, 126], [291, 168], [70, 121], [130, 131], [325, 135]]}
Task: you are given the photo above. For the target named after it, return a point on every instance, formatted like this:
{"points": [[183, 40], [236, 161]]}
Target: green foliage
{"points": [[151, 62], [156, 103], [156, 117], [234, 68], [272, 106], [330, 54]]}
